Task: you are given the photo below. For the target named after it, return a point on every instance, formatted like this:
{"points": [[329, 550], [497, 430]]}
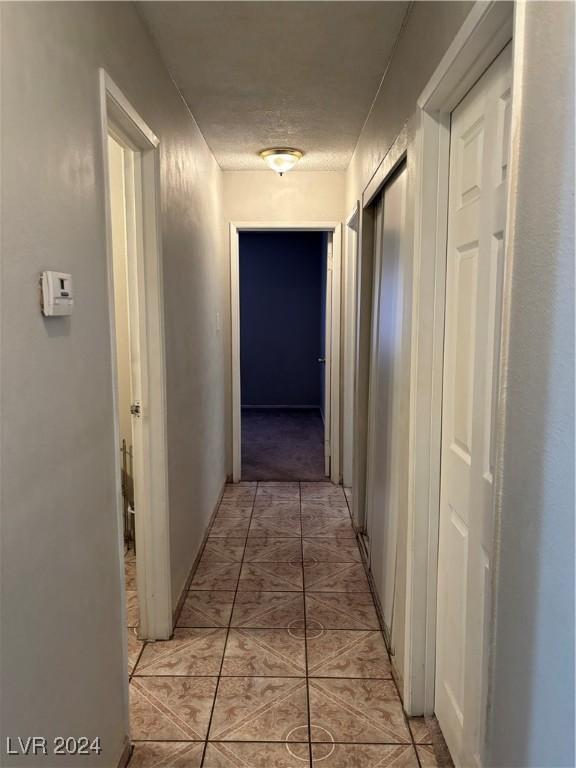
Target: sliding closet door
{"points": [[385, 452]]}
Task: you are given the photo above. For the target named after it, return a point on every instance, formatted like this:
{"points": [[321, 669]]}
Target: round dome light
{"points": [[281, 159]]}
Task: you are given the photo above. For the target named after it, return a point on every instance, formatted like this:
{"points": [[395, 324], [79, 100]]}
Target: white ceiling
{"points": [[260, 74]]}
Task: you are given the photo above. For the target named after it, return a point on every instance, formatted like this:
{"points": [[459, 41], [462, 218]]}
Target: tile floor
{"points": [[134, 645], [277, 660]]}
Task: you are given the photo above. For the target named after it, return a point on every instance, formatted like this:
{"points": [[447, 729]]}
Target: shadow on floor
{"points": [[282, 444]]}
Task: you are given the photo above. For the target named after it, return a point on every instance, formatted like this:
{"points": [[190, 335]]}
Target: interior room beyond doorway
{"points": [[283, 288]]}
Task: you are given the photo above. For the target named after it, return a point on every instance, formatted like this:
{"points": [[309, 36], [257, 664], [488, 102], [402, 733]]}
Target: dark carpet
{"points": [[282, 444]]}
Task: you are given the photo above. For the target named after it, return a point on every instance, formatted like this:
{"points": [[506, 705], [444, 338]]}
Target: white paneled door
{"points": [[480, 134]]}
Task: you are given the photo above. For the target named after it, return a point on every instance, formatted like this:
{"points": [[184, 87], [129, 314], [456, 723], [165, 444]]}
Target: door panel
{"points": [[385, 393], [476, 214]]}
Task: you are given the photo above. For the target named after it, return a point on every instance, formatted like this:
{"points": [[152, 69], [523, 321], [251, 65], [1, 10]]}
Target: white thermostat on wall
{"points": [[57, 294]]}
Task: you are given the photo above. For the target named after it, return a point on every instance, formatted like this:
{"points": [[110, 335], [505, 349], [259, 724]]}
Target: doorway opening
{"points": [[130, 152], [126, 383], [285, 351], [283, 278]]}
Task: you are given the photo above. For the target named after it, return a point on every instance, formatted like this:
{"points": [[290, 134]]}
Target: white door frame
{"points": [[485, 32], [118, 117], [316, 226], [349, 343]]}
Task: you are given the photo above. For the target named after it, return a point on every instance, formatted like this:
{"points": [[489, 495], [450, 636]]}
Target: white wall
{"points": [[531, 720], [61, 664], [296, 196]]}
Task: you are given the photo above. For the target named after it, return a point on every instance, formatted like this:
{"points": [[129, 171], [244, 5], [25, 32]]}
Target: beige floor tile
{"points": [[366, 711], [347, 653], [190, 652], [254, 755], [206, 609], [335, 577], [272, 549], [276, 577], [171, 708], [311, 486], [228, 527], [259, 709], [280, 491], [233, 536], [263, 610], [276, 508], [130, 572], [363, 756], [420, 730], [216, 576], [242, 504], [243, 492], [265, 652], [167, 754], [337, 509], [219, 550], [428, 758], [236, 510], [286, 526], [322, 492], [315, 525], [132, 609], [134, 648], [331, 550], [340, 610]]}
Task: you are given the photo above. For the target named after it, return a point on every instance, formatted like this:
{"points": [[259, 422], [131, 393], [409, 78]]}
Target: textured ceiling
{"points": [[259, 74]]}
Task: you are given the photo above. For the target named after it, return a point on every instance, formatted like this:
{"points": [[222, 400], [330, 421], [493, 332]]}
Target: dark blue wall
{"points": [[281, 317]]}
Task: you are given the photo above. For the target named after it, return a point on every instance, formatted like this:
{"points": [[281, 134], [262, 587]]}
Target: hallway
{"points": [[278, 638], [287, 384]]}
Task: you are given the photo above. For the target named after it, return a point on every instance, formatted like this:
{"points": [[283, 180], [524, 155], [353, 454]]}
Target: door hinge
{"points": [[136, 409]]}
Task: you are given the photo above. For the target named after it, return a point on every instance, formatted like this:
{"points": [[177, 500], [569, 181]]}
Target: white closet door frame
{"points": [[485, 32], [335, 228], [349, 344], [328, 355]]}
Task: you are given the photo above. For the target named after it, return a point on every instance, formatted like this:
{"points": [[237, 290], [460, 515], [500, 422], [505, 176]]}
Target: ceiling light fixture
{"points": [[281, 159]]}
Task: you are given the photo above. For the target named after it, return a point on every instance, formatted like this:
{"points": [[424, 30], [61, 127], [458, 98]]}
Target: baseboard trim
{"points": [[186, 587], [126, 755]]}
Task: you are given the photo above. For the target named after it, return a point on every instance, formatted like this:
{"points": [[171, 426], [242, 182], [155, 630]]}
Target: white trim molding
{"points": [[308, 226], [349, 270]]}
